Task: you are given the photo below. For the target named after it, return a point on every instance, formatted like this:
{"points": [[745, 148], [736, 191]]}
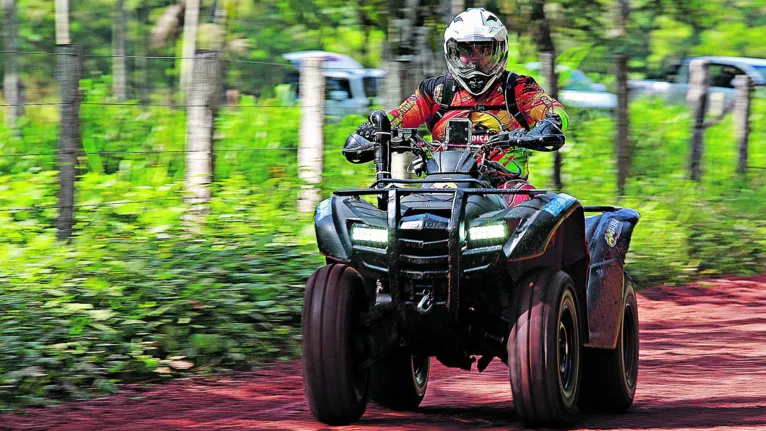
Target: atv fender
{"points": [[333, 218], [548, 231], [538, 219], [608, 237]]}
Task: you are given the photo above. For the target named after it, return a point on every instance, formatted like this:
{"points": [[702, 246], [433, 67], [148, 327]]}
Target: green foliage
{"points": [[137, 294], [687, 230], [134, 294]]}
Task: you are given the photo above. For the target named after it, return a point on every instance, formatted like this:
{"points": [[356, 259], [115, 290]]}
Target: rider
{"points": [[476, 49]]}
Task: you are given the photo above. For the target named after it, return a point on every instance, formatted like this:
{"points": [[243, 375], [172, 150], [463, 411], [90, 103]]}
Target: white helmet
{"points": [[476, 49]]}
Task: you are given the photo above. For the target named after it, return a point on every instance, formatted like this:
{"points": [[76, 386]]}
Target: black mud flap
{"points": [[608, 237]]}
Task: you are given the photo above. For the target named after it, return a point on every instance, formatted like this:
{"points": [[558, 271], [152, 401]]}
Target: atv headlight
{"points": [[369, 234], [487, 232]]}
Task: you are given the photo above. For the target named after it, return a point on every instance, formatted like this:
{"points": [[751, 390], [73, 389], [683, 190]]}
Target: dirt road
{"points": [[703, 367]]}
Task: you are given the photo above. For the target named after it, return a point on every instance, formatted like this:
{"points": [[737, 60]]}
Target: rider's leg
{"points": [[517, 184]]}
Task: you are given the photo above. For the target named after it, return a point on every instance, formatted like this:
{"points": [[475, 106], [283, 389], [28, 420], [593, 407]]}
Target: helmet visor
{"points": [[484, 57]]}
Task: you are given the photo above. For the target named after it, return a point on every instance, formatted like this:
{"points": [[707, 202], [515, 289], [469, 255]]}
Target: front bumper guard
{"points": [[455, 242]]}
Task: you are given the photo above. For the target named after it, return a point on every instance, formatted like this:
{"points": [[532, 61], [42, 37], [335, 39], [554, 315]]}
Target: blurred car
{"points": [[349, 87], [577, 90], [722, 72]]}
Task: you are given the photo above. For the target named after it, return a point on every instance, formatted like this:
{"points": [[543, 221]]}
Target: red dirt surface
{"points": [[703, 367]]}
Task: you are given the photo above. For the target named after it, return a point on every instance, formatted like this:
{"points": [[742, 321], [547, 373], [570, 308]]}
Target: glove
{"points": [[366, 130], [554, 118], [506, 136], [550, 125]]}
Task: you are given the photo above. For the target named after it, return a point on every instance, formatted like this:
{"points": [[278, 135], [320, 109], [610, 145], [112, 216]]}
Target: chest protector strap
{"points": [[509, 87]]}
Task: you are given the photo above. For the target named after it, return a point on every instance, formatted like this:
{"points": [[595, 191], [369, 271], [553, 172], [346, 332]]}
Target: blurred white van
{"points": [[349, 87]]}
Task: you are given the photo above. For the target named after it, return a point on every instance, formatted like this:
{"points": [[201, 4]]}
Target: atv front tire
{"points": [[544, 349], [399, 381], [609, 375], [332, 345]]}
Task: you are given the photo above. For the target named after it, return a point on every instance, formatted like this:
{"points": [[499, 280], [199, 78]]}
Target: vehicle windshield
{"points": [[761, 70]]}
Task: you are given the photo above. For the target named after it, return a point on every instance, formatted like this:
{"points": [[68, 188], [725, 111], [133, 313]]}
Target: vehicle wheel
{"points": [[332, 345], [610, 375], [544, 349], [399, 381]]}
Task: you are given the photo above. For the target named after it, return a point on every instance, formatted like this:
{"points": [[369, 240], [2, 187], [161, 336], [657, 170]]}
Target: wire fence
{"points": [[265, 120]]}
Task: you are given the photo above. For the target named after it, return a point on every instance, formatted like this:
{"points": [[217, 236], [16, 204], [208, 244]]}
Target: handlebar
{"points": [[546, 136], [537, 143]]}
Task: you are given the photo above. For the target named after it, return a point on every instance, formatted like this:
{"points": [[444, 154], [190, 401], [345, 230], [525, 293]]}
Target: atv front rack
{"points": [[454, 242]]}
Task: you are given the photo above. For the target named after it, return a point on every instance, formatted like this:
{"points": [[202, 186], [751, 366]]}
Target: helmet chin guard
{"points": [[476, 49]]}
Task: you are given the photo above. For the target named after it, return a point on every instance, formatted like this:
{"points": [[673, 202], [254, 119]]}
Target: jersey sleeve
{"points": [[419, 108], [534, 103]]}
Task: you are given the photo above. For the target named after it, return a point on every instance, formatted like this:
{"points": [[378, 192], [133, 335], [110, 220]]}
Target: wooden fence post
{"points": [[697, 98], [311, 144], [623, 121], [202, 102], [68, 76], [548, 66], [744, 86]]}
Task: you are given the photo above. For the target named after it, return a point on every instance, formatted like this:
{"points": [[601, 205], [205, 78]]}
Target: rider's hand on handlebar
{"points": [[366, 130], [506, 136], [545, 136]]}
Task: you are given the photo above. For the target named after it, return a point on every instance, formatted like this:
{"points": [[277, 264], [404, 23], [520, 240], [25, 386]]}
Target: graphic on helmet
{"points": [[476, 49]]}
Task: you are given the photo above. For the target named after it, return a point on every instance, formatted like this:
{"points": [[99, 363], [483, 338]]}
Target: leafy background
{"points": [[136, 295]]}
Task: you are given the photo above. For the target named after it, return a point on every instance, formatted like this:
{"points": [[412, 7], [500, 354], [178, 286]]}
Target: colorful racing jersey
{"points": [[533, 103]]}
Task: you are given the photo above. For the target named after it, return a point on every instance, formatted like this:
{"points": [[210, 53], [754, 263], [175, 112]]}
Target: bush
{"points": [[136, 294]]}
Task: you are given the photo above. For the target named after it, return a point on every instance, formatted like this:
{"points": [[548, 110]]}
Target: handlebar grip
{"points": [[537, 143]]}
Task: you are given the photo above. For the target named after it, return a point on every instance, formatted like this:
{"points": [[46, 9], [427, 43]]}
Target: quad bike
{"points": [[444, 268]]}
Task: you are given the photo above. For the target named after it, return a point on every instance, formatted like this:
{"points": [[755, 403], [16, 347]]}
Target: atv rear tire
{"points": [[609, 375], [544, 349], [333, 346], [399, 381]]}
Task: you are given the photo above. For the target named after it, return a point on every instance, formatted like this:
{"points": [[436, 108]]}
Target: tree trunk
{"points": [[144, 66], [541, 29], [219, 14], [623, 122], [62, 22], [191, 21], [311, 144], [69, 71], [542, 36], [548, 65], [200, 118], [456, 6], [11, 81], [119, 61], [219, 19], [621, 13]]}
